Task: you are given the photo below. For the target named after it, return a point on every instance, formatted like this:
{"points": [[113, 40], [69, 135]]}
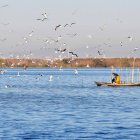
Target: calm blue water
{"points": [[69, 107]]}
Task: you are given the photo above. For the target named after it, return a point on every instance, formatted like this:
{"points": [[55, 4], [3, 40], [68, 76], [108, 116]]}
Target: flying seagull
{"points": [[101, 52], [72, 24], [44, 15], [121, 43], [61, 50], [3, 39], [72, 35], [43, 19], [31, 33], [130, 38], [73, 54], [5, 24], [57, 27], [66, 25], [135, 49], [4, 6]]}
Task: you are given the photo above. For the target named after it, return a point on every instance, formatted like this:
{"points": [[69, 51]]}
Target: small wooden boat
{"points": [[116, 85]]}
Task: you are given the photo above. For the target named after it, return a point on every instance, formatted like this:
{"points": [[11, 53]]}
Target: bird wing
{"points": [[65, 25], [75, 55], [57, 27], [44, 19], [72, 24]]}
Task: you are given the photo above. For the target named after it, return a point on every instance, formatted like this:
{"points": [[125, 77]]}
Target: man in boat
{"points": [[116, 79]]}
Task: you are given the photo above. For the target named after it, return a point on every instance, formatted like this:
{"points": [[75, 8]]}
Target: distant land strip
{"points": [[70, 63]]}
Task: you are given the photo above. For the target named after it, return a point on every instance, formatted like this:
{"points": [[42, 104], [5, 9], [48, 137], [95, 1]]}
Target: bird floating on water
{"points": [[50, 78], [18, 74], [76, 71]]}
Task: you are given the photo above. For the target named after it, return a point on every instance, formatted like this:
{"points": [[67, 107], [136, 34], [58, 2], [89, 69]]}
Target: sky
{"points": [[103, 28]]}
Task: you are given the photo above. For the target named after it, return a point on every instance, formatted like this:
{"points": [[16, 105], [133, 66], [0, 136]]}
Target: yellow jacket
{"points": [[118, 80]]}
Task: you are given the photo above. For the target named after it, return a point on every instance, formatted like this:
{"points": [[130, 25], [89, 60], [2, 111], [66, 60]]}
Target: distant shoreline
{"points": [[70, 63]]}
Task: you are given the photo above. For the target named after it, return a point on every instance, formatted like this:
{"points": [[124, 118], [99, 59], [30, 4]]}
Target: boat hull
{"points": [[116, 85]]}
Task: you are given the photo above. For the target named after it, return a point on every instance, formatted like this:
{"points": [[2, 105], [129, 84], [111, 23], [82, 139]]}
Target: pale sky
{"points": [[109, 26]]}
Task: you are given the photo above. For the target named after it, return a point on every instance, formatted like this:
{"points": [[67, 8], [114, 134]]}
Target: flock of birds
{"points": [[51, 41], [48, 41]]}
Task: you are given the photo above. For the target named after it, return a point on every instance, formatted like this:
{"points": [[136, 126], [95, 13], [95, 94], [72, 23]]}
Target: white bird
{"points": [[135, 49], [121, 43], [76, 71], [33, 62], [60, 68], [31, 33], [130, 38], [45, 15], [7, 86], [50, 78], [18, 74], [26, 39], [2, 71], [87, 66]]}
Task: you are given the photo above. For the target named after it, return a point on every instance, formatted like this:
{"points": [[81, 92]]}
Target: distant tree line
{"points": [[69, 62]]}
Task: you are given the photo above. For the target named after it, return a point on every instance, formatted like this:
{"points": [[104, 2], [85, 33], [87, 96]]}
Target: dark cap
{"points": [[115, 74]]}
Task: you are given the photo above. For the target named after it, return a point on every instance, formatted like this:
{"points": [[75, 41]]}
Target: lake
{"points": [[54, 104]]}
